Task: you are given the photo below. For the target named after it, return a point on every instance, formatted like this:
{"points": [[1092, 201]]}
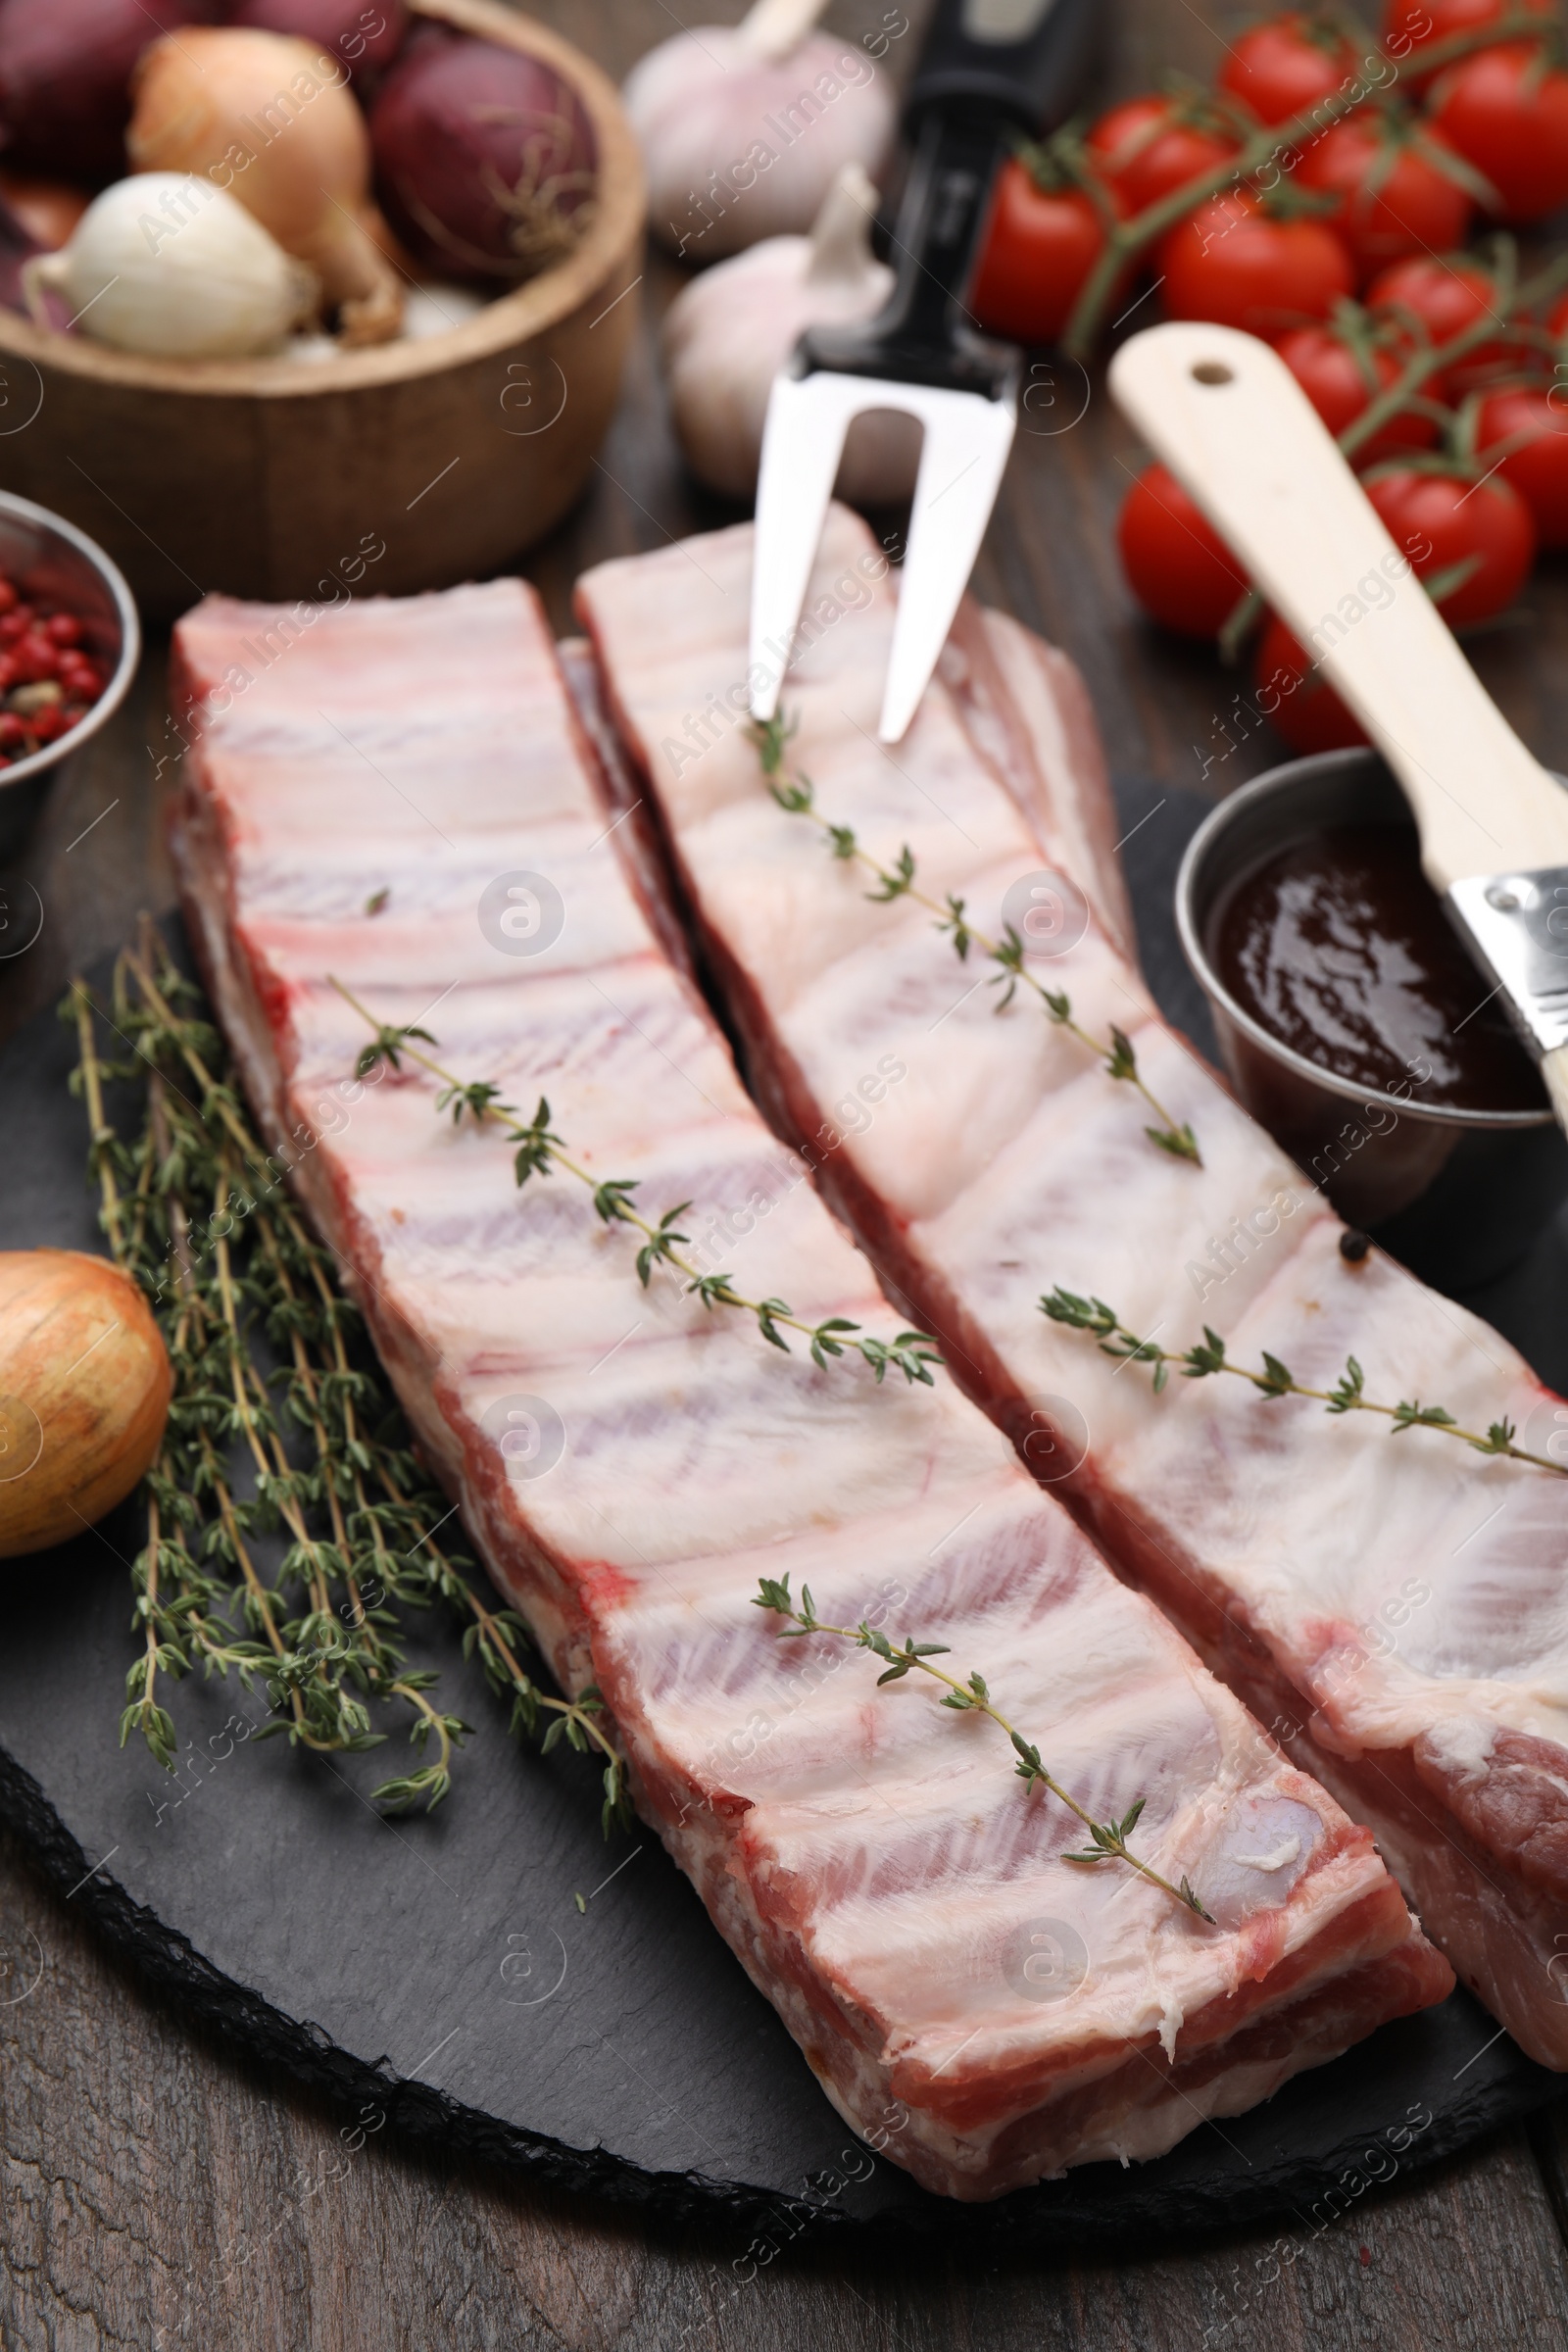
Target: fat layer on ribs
{"points": [[1396, 1610], [359, 807]]}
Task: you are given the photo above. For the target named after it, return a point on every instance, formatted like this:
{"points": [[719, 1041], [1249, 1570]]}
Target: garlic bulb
{"points": [[745, 129], [166, 264], [729, 331], [272, 119]]}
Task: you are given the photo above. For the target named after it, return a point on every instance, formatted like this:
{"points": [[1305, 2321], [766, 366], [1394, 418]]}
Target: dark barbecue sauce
{"points": [[1339, 948]]}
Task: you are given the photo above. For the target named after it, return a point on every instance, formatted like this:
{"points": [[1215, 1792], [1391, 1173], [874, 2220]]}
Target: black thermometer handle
{"points": [[989, 68], [1015, 62]]}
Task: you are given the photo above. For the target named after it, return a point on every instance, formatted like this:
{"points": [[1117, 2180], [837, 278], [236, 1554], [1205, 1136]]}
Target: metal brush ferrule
{"points": [[1516, 927]]}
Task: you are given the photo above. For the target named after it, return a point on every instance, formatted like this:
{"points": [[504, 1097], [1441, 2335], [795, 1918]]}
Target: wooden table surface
{"points": [[137, 2156]]}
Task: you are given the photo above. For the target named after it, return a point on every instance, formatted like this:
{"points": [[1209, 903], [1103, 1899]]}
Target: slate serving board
{"points": [[496, 1981]]}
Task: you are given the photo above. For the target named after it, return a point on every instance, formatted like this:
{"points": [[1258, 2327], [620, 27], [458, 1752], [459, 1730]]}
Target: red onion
{"points": [[364, 34], [484, 158], [65, 70]]}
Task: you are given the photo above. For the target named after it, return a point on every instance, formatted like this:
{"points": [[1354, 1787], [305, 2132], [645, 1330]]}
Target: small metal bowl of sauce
{"points": [[1356, 1028]]}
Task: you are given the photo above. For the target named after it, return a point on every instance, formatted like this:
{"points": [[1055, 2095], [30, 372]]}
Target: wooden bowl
{"points": [[279, 479]]}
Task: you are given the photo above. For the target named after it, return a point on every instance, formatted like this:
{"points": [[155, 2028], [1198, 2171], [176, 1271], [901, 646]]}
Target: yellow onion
{"points": [[84, 1384], [272, 120]]}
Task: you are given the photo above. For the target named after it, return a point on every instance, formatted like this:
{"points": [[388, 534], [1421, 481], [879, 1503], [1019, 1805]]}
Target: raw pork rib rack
{"points": [[1396, 1610], [989, 2010]]}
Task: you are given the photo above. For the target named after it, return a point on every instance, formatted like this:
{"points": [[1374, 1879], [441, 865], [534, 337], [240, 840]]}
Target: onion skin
{"points": [[272, 122], [84, 1387], [471, 196], [65, 73]]}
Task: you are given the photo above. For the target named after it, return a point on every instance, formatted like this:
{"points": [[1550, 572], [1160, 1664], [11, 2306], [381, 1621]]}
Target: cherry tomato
{"points": [[1145, 151], [1334, 380], [1286, 65], [1233, 264], [1538, 470], [1441, 522], [1392, 200], [1411, 26], [1510, 120], [1177, 565], [1293, 696], [1039, 247], [1443, 298]]}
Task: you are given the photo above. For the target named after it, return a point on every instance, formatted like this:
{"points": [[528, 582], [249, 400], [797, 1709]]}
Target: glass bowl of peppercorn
{"points": [[70, 642]]}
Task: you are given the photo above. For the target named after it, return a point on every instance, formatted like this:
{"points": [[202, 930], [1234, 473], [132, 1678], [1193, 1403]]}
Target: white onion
{"points": [[168, 264]]}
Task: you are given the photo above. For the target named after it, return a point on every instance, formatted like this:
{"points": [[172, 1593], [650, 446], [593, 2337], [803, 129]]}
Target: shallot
{"points": [[17, 246], [65, 73], [729, 331], [168, 264], [272, 119], [47, 209], [744, 130], [486, 162], [85, 1385]]}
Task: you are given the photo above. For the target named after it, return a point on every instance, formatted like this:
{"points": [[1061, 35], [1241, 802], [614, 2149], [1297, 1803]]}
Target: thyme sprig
{"points": [[196, 1212], [1275, 1380], [1109, 1838], [540, 1150], [796, 795]]}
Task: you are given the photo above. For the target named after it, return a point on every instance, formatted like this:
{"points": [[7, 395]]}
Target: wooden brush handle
{"points": [[1555, 1070], [1225, 414]]}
